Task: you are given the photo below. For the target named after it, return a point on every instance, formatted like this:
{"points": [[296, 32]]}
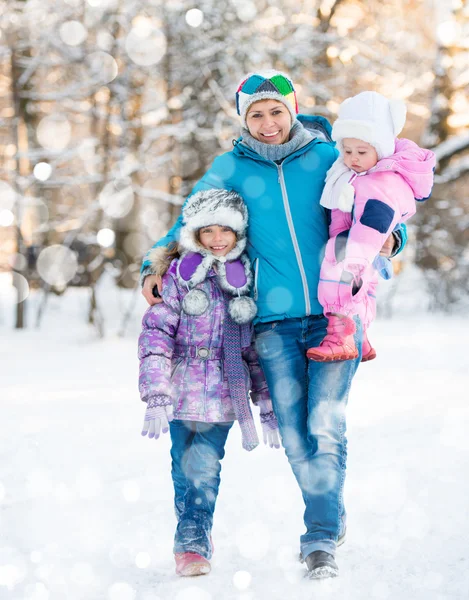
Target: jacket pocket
{"points": [[176, 366]]}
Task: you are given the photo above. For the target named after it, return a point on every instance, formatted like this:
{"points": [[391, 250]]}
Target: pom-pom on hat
{"points": [[372, 118], [265, 85]]}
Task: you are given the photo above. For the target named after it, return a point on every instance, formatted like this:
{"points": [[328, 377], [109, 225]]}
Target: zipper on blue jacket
{"points": [[256, 275], [294, 239]]}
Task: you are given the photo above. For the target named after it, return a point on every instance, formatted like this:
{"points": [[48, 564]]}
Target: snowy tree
{"points": [[443, 235], [115, 108]]}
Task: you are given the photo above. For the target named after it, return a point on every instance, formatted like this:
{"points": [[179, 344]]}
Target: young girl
{"points": [[198, 363], [370, 189]]}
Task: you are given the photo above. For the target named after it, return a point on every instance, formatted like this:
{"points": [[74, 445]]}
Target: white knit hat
{"points": [[372, 118]]}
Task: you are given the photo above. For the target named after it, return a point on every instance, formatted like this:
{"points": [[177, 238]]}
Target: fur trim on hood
{"points": [[159, 260]]}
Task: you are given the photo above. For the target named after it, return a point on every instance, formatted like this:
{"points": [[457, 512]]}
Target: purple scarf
{"points": [[236, 377]]}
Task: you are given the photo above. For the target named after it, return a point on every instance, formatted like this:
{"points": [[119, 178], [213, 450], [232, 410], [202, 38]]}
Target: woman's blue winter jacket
{"points": [[288, 228]]}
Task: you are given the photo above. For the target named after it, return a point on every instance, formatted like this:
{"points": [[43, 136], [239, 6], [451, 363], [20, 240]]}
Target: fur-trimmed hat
{"points": [[372, 118], [214, 207], [265, 85], [224, 208]]}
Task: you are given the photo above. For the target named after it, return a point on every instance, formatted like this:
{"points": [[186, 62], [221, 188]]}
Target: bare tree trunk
{"points": [[22, 168]]}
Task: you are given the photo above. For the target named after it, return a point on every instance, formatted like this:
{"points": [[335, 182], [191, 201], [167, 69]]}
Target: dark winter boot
{"points": [[340, 541], [321, 565]]}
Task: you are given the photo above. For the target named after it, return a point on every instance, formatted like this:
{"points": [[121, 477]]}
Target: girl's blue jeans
{"points": [[196, 452], [309, 400]]}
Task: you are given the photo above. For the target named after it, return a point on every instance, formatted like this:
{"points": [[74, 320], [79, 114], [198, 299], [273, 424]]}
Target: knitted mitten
{"points": [[269, 424], [158, 415]]}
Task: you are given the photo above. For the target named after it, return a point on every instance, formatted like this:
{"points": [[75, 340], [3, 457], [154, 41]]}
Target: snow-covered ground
{"points": [[86, 502]]}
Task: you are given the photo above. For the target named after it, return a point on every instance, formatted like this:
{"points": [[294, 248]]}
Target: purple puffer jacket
{"points": [[173, 348]]}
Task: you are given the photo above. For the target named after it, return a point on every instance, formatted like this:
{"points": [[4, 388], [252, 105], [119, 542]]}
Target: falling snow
{"points": [[87, 502]]}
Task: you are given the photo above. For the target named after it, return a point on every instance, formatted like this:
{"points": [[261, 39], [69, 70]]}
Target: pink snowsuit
{"points": [[384, 197]]}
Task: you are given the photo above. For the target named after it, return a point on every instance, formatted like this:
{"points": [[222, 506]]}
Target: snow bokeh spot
{"points": [[103, 4], [103, 67], [253, 186], [57, 265], [17, 261], [105, 237], [104, 40], [131, 491], [143, 560], [253, 540], [7, 196], [242, 580], [269, 349], [117, 198], [279, 300], [194, 17], [193, 593], [54, 132], [6, 217], [121, 591], [288, 387], [312, 164], [246, 10], [135, 244], [42, 171], [73, 33], [20, 283], [145, 44]]}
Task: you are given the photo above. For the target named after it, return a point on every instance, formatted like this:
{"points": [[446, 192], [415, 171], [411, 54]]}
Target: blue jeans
{"points": [[309, 399], [196, 451]]}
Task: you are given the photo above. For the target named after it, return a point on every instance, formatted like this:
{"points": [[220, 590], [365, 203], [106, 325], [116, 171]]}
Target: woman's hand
{"points": [[147, 289]]}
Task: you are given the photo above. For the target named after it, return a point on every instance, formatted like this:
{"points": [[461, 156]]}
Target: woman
{"points": [[279, 166]]}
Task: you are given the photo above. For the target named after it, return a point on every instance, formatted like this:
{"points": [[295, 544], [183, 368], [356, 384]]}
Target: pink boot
{"points": [[338, 343], [368, 352], [190, 564]]}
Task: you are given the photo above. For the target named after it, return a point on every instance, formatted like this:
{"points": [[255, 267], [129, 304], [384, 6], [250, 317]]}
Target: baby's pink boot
{"points": [[338, 343], [190, 564], [368, 352]]}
